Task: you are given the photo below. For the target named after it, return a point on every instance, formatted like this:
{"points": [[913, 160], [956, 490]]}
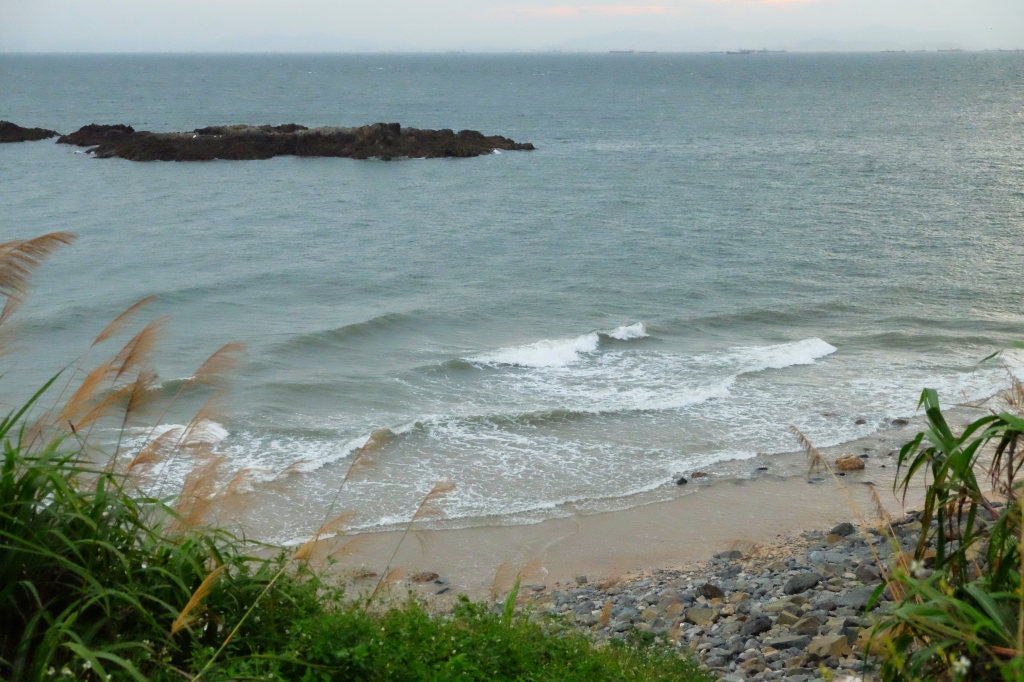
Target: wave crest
{"points": [[545, 353], [628, 332]]}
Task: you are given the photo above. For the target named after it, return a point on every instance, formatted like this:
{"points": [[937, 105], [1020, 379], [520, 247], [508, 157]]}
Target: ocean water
{"points": [[703, 250]]}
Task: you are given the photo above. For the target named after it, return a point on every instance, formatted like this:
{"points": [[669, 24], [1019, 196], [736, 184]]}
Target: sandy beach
{"points": [[716, 514]]}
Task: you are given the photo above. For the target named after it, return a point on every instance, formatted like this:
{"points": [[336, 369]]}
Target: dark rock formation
{"points": [[94, 134], [11, 132], [381, 140]]}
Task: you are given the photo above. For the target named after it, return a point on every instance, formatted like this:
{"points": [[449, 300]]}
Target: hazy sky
{"points": [[505, 25]]}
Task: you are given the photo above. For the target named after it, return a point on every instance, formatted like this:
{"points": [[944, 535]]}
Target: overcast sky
{"points": [[505, 25]]}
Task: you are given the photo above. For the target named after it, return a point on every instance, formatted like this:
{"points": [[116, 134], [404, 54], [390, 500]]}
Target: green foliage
{"points": [[347, 643], [93, 583], [960, 612], [87, 571]]}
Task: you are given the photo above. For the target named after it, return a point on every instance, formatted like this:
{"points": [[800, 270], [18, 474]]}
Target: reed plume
{"points": [[112, 328], [212, 373], [376, 441], [606, 613], [82, 400], [348, 548], [612, 578], [152, 452], [141, 394], [185, 618], [10, 307], [427, 508], [196, 433], [390, 579], [534, 569], [106, 407], [137, 352], [817, 459], [197, 492], [306, 550], [504, 577], [19, 260], [115, 325], [219, 365], [880, 511], [814, 457]]}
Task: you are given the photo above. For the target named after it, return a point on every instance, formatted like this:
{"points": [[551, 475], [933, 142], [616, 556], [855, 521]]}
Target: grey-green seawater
{"points": [[703, 250]]}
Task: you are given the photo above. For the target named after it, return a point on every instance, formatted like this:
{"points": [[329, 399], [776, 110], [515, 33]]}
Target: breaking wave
{"points": [[546, 353]]}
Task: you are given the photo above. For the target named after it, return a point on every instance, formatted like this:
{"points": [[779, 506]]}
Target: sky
{"points": [[505, 25]]}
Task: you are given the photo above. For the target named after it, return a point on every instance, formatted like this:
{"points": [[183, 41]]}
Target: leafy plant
{"points": [[961, 615]]}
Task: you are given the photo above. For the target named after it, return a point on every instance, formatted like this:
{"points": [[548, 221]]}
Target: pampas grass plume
{"points": [[186, 617]]}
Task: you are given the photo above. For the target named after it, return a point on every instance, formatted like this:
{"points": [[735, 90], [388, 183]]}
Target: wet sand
{"points": [[712, 515]]}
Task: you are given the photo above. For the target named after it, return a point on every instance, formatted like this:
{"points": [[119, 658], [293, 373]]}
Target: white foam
{"points": [[803, 352], [630, 331], [207, 432], [546, 353], [335, 454]]}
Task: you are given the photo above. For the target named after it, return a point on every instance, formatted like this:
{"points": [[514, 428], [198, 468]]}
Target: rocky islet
{"points": [[12, 132], [383, 141]]}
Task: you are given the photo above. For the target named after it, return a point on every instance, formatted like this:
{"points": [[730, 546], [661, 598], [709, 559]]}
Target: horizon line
{"points": [[637, 51]]}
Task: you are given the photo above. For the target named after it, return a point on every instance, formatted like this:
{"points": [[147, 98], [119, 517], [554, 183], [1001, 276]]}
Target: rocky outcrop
{"points": [[11, 132], [94, 134], [384, 141]]}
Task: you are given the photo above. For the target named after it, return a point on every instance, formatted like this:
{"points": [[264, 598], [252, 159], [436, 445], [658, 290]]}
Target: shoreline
{"points": [[713, 516], [761, 579]]}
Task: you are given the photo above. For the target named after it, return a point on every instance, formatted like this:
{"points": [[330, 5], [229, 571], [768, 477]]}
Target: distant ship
{"points": [[763, 50]]}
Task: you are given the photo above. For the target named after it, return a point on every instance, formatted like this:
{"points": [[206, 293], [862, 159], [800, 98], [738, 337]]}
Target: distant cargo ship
{"points": [[761, 51]]}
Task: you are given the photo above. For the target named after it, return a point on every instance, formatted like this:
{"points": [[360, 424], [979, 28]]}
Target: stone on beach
{"points": [[801, 583], [829, 646], [700, 615], [850, 463], [843, 529], [756, 625], [760, 617], [709, 591]]}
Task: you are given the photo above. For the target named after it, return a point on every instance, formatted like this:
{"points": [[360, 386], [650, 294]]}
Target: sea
{"points": [[703, 250]]}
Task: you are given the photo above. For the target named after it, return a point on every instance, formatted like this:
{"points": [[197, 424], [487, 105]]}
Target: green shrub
{"points": [[959, 613]]}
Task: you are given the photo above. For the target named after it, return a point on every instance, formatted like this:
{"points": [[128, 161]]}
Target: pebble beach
{"points": [[789, 610]]}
